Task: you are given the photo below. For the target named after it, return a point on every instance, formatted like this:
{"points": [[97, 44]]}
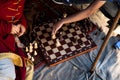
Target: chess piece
{"points": [[57, 42], [32, 59], [73, 24], [77, 27], [29, 56], [64, 15], [30, 48], [61, 38], [75, 41], [53, 36], [50, 24], [26, 49], [35, 53], [35, 45]]}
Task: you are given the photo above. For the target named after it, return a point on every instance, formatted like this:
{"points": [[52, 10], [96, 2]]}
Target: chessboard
{"points": [[73, 42]]}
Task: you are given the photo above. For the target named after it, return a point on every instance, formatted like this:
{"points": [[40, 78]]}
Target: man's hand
{"points": [[22, 30], [56, 27], [18, 30], [15, 29]]}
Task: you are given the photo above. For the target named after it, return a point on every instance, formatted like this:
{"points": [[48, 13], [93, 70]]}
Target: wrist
{"points": [[62, 21]]}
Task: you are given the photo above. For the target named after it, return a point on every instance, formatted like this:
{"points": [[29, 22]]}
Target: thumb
{"points": [[54, 32], [18, 25]]}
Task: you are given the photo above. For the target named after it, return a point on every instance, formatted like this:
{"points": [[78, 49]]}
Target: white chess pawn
{"points": [[64, 15], [30, 48], [35, 45], [29, 56], [35, 53], [32, 59], [26, 49]]}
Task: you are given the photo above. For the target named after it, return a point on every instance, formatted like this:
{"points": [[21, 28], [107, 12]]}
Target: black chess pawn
{"points": [[73, 24], [75, 40], [77, 27]]}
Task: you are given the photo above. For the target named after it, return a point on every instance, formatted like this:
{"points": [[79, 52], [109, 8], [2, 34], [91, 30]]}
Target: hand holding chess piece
{"points": [[58, 25], [57, 40]]}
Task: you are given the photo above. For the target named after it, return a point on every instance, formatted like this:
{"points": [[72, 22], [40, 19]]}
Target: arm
{"points": [[8, 28], [79, 16]]}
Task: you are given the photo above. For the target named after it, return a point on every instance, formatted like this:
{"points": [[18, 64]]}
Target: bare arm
{"points": [[85, 13], [80, 15]]}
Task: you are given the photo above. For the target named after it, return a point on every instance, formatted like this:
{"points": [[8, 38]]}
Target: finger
{"points": [[20, 34], [16, 29], [14, 32], [53, 32], [22, 31]]}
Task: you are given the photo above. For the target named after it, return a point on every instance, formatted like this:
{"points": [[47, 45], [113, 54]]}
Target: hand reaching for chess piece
{"points": [[57, 26], [18, 30]]}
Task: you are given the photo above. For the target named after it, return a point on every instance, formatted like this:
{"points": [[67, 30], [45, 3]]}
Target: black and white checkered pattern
{"points": [[68, 48]]}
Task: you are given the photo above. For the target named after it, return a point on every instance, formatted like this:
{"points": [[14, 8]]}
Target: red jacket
{"points": [[11, 12]]}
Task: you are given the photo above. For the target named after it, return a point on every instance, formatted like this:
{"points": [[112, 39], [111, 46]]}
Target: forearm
{"points": [[76, 17], [84, 13]]}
